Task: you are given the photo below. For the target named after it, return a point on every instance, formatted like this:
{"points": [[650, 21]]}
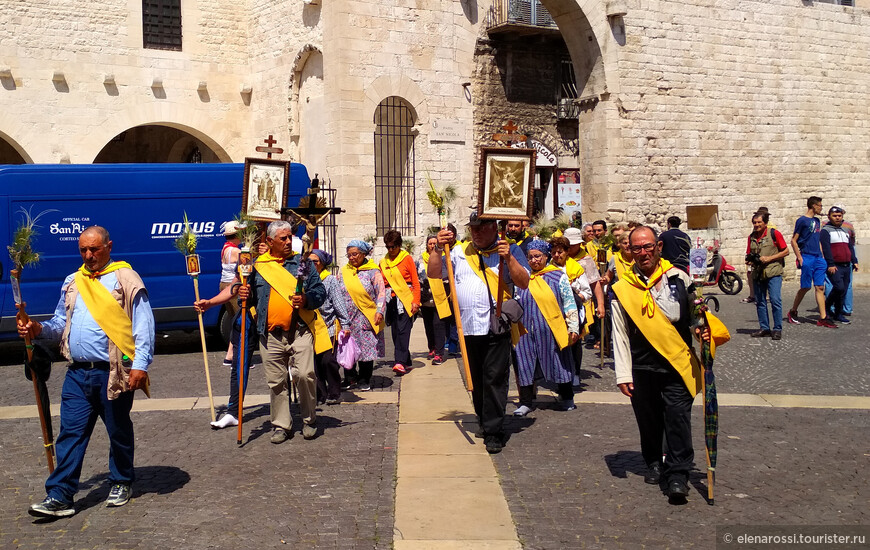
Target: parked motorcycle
{"points": [[723, 274]]}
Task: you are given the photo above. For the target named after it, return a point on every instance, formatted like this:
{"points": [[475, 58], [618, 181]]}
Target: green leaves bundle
{"points": [[21, 250], [186, 242]]}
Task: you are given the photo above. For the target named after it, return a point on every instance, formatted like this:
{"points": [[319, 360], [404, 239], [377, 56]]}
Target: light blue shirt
{"points": [[473, 295], [87, 341]]}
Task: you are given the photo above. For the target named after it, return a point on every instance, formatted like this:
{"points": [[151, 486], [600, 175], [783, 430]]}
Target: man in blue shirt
{"points": [[101, 378], [806, 246]]}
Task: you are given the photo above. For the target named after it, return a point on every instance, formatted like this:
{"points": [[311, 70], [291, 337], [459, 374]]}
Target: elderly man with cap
{"points": [[838, 248], [476, 277]]}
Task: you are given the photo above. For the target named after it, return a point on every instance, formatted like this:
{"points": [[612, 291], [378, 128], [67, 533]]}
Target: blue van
{"points": [[142, 206]]}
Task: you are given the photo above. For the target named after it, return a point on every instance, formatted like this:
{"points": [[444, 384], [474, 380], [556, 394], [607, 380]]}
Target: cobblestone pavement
{"points": [[571, 479], [809, 360], [197, 489], [575, 479]]}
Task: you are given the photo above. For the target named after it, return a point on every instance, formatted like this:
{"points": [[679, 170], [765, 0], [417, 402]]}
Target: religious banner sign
{"points": [[506, 183]]}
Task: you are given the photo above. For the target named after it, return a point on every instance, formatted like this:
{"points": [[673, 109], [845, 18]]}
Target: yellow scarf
{"points": [[105, 309], [660, 333], [324, 274], [358, 294], [491, 280], [390, 270], [272, 270], [573, 269], [547, 302], [439, 294], [621, 264], [648, 304]]}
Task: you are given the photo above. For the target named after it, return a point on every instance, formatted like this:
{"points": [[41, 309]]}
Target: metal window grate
{"points": [[161, 24], [395, 195]]}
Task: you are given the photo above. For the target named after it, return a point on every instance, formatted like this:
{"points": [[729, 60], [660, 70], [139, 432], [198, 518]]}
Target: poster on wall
{"points": [[568, 196]]}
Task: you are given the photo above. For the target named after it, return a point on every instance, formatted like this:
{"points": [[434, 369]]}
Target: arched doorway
{"points": [[9, 153], [154, 143]]}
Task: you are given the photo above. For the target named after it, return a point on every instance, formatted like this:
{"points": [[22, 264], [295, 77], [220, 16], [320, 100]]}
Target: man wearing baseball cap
{"points": [[476, 279], [838, 248]]}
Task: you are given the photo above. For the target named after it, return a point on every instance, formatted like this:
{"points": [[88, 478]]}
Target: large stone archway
{"points": [[155, 143], [11, 152]]}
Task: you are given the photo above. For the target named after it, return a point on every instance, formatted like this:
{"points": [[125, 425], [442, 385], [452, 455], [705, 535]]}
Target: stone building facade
{"points": [[733, 103]]}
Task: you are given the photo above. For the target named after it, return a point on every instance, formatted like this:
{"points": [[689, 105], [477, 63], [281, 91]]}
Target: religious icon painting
{"points": [[246, 262], [267, 183], [507, 178], [192, 264]]}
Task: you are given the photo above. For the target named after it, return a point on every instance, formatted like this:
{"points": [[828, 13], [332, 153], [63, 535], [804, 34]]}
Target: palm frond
{"points": [[543, 227], [186, 242], [247, 230], [408, 246], [440, 198], [21, 250]]}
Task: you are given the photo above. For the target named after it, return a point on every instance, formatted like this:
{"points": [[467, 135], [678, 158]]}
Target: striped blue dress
{"points": [[538, 346]]}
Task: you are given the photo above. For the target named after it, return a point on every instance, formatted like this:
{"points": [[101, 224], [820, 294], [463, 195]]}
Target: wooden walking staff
{"points": [[246, 267], [22, 319], [440, 200], [186, 244], [22, 254]]}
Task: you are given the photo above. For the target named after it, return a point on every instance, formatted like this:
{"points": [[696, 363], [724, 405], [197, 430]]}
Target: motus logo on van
{"points": [[175, 229]]}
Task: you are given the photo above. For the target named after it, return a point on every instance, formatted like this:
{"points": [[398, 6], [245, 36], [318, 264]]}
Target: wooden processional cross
{"points": [[269, 150], [510, 135]]}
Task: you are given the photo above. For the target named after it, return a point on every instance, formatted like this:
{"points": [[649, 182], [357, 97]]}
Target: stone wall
{"points": [[743, 103], [71, 119]]}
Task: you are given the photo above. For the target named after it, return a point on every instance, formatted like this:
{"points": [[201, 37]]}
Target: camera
{"points": [[753, 258]]}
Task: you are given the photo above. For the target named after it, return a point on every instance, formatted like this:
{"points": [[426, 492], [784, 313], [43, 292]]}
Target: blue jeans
{"points": [[763, 288], [83, 399], [235, 337], [847, 301]]}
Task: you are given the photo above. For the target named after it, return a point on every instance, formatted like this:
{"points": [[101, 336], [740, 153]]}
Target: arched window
{"points": [[394, 167]]}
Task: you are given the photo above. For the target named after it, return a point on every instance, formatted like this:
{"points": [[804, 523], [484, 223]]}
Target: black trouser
{"points": [[400, 327], [435, 330], [577, 352], [328, 373], [364, 374], [663, 408], [564, 390], [489, 362], [840, 284]]}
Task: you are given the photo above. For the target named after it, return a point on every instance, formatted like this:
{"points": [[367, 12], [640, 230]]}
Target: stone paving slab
{"points": [[197, 489], [574, 479]]}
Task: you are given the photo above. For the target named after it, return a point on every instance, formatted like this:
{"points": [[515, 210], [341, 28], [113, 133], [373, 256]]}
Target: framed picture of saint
{"points": [[265, 189], [506, 183], [192, 264]]}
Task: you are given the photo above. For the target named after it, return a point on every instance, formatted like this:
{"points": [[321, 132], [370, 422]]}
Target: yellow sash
{"points": [[105, 309], [662, 335], [439, 294], [549, 305], [358, 294], [390, 270], [621, 264], [491, 280], [648, 304], [282, 282], [573, 269]]}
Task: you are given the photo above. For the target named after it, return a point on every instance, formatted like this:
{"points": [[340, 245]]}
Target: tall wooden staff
{"points": [[22, 254], [439, 200], [186, 244], [246, 266]]}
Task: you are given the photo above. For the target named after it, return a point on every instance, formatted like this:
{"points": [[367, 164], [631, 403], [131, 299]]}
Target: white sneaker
{"points": [[522, 410], [226, 421]]}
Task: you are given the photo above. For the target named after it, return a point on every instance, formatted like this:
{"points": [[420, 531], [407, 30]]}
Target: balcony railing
{"points": [[518, 13]]}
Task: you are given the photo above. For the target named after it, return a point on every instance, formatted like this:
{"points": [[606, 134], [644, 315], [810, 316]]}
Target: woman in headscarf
{"points": [[400, 277], [436, 332], [364, 301], [551, 319], [327, 368]]}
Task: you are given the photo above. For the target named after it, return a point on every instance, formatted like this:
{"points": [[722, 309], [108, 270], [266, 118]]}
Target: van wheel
{"points": [[730, 283], [225, 326]]}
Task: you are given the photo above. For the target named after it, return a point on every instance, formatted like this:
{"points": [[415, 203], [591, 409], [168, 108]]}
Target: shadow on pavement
{"points": [[160, 480], [623, 462]]}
